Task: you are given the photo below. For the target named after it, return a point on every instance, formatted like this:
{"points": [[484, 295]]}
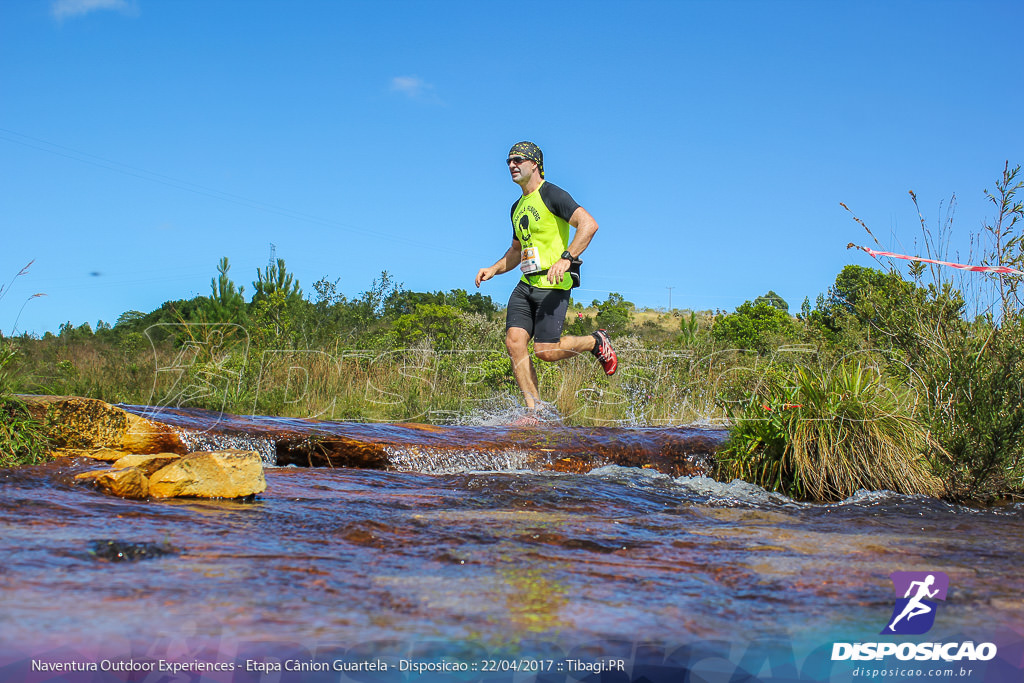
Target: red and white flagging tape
{"points": [[962, 266]]}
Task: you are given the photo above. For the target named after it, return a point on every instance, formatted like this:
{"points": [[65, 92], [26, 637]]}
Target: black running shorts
{"points": [[539, 311]]}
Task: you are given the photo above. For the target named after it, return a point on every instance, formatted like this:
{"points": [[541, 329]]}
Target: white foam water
{"points": [[708, 490], [506, 410], [437, 461], [206, 441]]}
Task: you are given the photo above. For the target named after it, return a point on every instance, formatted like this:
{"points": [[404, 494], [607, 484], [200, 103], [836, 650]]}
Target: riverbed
{"points": [[615, 574]]}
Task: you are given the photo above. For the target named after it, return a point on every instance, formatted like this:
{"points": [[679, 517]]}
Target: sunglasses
{"points": [[516, 160]]}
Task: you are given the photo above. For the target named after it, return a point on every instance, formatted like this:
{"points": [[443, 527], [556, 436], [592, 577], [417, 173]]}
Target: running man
{"points": [[915, 607], [541, 249]]}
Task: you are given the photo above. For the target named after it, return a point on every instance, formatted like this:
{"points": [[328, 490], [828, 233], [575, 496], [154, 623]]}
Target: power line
{"points": [[151, 176]]}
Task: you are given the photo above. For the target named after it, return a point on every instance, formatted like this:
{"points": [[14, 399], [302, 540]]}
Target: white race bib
{"points": [[530, 262]]}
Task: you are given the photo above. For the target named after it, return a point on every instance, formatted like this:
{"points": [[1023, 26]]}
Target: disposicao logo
{"points": [[914, 612]]}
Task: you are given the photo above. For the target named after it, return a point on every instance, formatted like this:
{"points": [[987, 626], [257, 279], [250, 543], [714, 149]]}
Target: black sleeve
{"points": [[558, 201], [512, 218]]}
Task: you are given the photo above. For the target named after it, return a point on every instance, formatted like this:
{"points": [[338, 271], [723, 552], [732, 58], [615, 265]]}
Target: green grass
{"points": [[22, 440]]}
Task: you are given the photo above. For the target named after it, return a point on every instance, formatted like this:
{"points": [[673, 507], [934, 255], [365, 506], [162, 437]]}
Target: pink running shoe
{"points": [[605, 353]]}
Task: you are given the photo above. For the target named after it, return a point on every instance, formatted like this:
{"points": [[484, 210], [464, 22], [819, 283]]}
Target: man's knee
{"points": [[516, 340]]}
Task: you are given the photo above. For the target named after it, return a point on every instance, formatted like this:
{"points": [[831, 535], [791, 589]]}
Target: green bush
{"points": [[762, 325], [976, 408], [442, 325], [869, 308], [614, 313]]}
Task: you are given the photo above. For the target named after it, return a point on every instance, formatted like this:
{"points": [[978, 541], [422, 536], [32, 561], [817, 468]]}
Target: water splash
{"points": [[736, 492], [506, 410], [878, 502], [703, 490]]}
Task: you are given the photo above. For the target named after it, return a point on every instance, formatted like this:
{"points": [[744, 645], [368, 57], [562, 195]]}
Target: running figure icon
{"points": [[916, 606]]}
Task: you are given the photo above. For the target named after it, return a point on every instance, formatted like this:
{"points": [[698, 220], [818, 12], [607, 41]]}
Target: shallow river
{"points": [[619, 574]]}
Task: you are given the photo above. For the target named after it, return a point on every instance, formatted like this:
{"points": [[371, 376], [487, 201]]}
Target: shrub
{"points": [[976, 408], [763, 325], [614, 313]]}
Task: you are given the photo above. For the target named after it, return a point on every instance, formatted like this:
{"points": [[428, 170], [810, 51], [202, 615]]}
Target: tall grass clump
{"points": [[828, 434], [22, 441]]}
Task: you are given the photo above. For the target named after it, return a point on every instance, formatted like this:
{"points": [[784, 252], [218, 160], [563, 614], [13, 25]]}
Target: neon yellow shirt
{"points": [[541, 219]]}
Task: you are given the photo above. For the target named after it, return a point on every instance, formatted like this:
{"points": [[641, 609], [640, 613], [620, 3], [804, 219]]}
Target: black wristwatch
{"points": [[567, 256]]}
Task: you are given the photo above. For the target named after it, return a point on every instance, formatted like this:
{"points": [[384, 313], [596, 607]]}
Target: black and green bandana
{"points": [[530, 151]]}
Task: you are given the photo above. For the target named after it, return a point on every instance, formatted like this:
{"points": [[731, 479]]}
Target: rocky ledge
{"points": [[147, 459], [74, 422]]}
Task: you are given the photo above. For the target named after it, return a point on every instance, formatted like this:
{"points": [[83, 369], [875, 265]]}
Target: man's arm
{"points": [[585, 226], [506, 263]]}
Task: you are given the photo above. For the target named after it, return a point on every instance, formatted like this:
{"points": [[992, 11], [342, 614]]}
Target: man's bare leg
{"points": [[567, 347], [516, 340]]}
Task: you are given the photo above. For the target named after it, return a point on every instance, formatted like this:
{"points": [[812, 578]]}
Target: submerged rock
{"points": [[228, 473], [109, 550]]}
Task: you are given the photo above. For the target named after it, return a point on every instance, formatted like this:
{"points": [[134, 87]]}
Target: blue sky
{"points": [[141, 141]]}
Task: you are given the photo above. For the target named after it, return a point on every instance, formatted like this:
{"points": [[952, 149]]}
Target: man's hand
{"points": [[484, 274], [507, 263], [557, 271]]}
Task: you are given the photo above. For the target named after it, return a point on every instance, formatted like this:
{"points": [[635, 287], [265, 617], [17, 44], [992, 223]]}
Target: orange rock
{"points": [[126, 483], [229, 473], [147, 464], [101, 454]]}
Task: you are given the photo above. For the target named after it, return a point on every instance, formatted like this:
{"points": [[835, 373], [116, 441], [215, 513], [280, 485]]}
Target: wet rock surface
{"points": [[147, 464], [125, 483], [458, 553], [93, 429], [354, 556]]}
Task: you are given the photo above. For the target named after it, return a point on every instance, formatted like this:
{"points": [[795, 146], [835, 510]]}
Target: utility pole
{"points": [[670, 298]]}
